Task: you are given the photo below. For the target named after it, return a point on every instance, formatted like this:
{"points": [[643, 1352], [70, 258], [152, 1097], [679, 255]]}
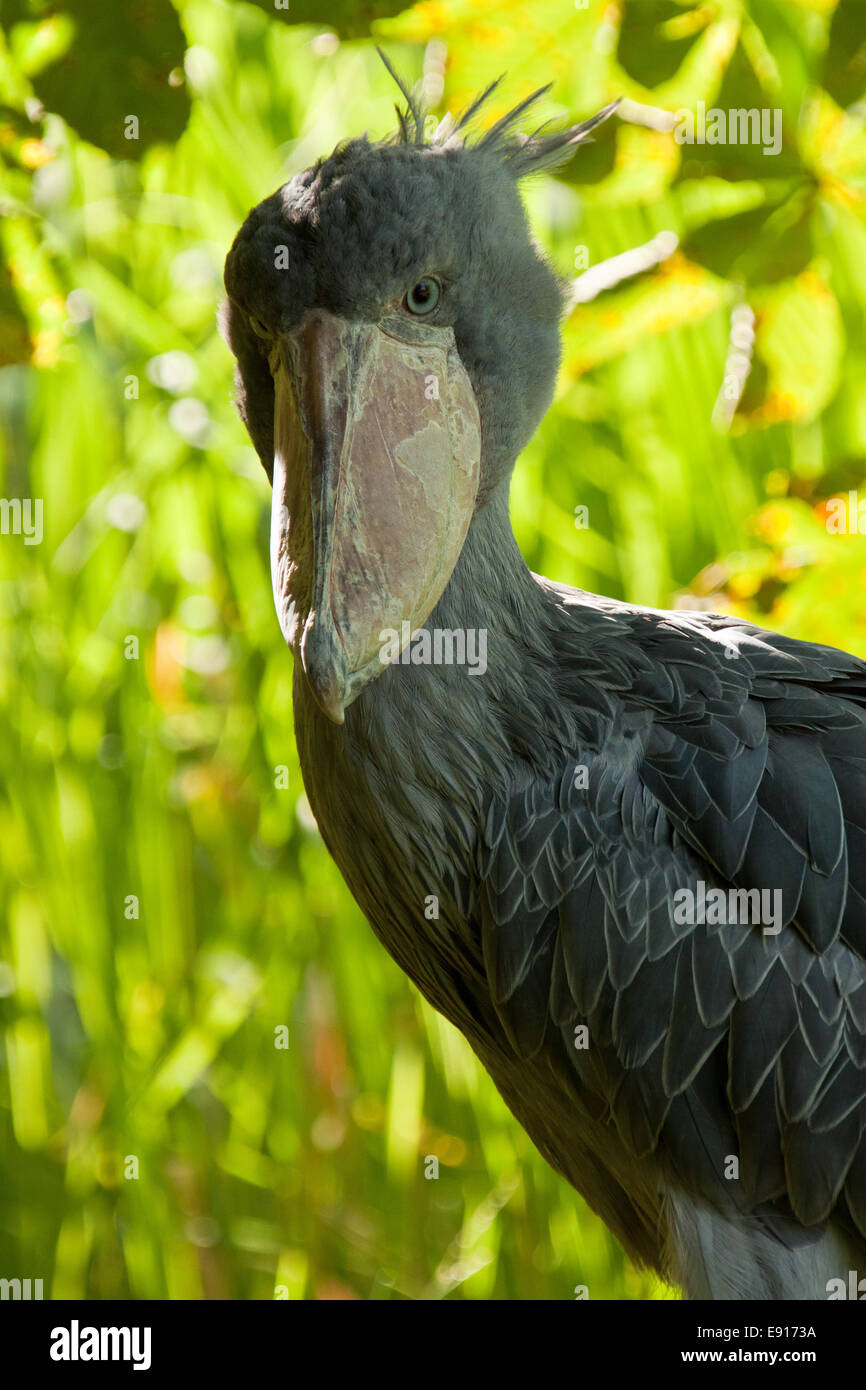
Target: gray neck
{"points": [[491, 581]]}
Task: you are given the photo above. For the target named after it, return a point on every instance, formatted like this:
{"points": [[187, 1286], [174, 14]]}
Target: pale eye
{"points": [[260, 330], [423, 297]]}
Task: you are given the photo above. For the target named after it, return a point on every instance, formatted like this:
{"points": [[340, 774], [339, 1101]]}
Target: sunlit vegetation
{"points": [[166, 904]]}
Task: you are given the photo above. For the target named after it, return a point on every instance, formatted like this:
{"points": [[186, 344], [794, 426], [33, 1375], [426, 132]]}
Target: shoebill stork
{"points": [[525, 838]]}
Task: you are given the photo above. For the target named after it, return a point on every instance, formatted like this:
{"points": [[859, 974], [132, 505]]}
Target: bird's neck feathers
{"points": [[491, 581]]}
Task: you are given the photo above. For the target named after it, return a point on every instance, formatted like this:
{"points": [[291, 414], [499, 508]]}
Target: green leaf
{"points": [[350, 18], [655, 38], [759, 146], [763, 244], [119, 82], [844, 74]]}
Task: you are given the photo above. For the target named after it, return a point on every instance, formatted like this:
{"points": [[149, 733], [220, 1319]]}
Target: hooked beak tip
{"points": [[332, 706], [325, 669]]}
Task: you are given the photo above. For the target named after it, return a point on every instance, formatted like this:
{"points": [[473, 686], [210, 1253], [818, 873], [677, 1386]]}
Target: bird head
{"points": [[396, 331]]}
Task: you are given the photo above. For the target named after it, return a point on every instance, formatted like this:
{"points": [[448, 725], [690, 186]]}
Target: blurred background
{"points": [[213, 1081]]}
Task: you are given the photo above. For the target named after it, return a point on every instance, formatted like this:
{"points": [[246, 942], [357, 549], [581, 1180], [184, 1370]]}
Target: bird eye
{"points": [[423, 297], [259, 328]]}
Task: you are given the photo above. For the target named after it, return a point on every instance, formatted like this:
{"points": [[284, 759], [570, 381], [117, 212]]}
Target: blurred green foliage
{"points": [[167, 905]]}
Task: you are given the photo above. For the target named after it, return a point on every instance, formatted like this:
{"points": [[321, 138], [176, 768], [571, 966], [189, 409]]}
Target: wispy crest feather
{"points": [[523, 154]]}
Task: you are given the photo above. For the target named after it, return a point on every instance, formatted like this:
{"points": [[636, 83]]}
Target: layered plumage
{"points": [[702, 1083]]}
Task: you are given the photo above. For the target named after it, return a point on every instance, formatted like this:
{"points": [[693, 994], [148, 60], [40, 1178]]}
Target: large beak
{"points": [[377, 447]]}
